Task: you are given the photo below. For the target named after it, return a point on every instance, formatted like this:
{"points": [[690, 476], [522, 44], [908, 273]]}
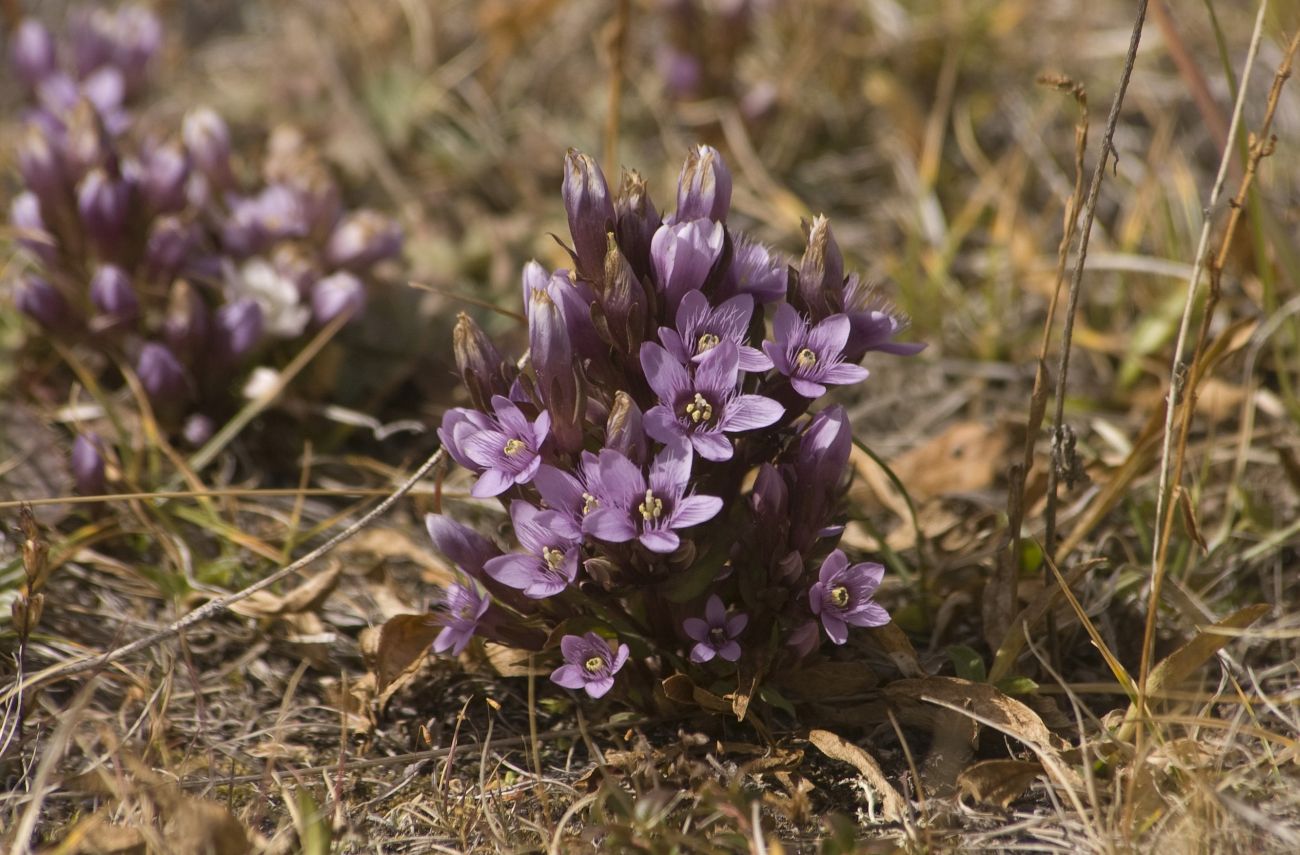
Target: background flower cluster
{"points": [[675, 499]]}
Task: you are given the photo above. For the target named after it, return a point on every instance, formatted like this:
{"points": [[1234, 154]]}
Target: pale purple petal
{"points": [[665, 374], [695, 628], [612, 525], [598, 688], [569, 676], [714, 611], [807, 388], [711, 446], [662, 542], [730, 651], [662, 425], [736, 624], [703, 652], [694, 510], [843, 373], [491, 483], [517, 571], [748, 412]]}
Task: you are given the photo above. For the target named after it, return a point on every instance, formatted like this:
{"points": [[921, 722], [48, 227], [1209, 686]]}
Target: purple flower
{"points": [[238, 327], [505, 450], [198, 429], [554, 546], [29, 227], [32, 52], [338, 294], [590, 663], [682, 255], [873, 323], [363, 238], [161, 374], [163, 174], [207, 140], [572, 298], [88, 464], [715, 634], [462, 608], [104, 203], [700, 328], [112, 294], [704, 406], [704, 187], [169, 243], [841, 597], [574, 495], [812, 357], [630, 507], [41, 301], [754, 270], [463, 546]]}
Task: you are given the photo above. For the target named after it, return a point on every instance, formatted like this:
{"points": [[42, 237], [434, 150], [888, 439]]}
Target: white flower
{"points": [[283, 311]]}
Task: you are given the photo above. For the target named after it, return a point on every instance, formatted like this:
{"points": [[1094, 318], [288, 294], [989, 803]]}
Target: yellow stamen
{"points": [[840, 596], [589, 503], [699, 410], [651, 508], [553, 557], [594, 664], [513, 447], [805, 358], [707, 342]]}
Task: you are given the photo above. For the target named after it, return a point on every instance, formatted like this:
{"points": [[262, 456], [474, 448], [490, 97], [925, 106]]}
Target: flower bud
{"points": [[85, 143], [168, 246], [112, 294], [29, 227], [338, 294], [481, 366], [770, 498], [819, 468], [104, 202], [821, 273], [90, 31], [163, 175], [161, 375], [590, 211], [362, 239], [137, 37], [197, 430], [557, 372], [187, 322], [41, 301], [88, 464], [238, 328], [105, 89], [704, 187], [207, 139], [280, 213], [625, 305], [636, 221], [41, 165], [32, 53], [625, 431]]}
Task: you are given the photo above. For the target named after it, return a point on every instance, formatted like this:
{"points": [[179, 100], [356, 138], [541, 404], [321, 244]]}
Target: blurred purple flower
{"points": [[811, 356], [207, 140], [632, 507], [574, 495], [112, 294], [31, 52], [40, 165], [362, 239], [164, 170], [161, 374], [553, 545], [104, 203], [461, 611], [29, 227], [682, 256], [335, 295], [504, 450], [841, 596], [238, 328], [42, 302], [590, 664], [704, 405], [701, 327], [198, 429], [88, 464], [716, 633]]}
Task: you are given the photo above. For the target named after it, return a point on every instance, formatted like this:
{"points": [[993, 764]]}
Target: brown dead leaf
{"points": [[200, 825], [403, 644], [891, 639], [998, 782], [304, 598], [509, 662], [97, 835], [1007, 714], [964, 458], [838, 748], [682, 689], [824, 680], [393, 543]]}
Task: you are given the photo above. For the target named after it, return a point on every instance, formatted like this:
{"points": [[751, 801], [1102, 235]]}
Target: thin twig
{"points": [[215, 607], [1076, 280]]}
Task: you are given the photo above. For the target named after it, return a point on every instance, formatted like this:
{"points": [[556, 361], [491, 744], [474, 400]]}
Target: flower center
{"points": [[718, 636], [699, 410], [589, 503], [805, 358], [594, 664], [707, 342], [553, 557], [840, 596], [651, 508], [513, 447]]}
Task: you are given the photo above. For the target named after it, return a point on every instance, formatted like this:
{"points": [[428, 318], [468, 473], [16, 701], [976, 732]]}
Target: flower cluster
{"points": [[159, 250], [676, 508]]}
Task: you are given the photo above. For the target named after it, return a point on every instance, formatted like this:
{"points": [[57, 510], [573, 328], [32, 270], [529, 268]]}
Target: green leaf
{"points": [[968, 663], [1017, 686]]}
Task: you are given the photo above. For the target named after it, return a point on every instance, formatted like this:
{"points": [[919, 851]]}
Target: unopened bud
{"points": [[557, 372], [238, 328], [41, 165], [29, 227], [112, 294], [636, 221], [482, 368], [821, 272], [187, 322], [624, 302], [338, 294], [362, 239], [591, 212], [163, 175], [168, 246], [207, 139], [161, 374], [104, 202], [31, 52], [704, 187], [42, 302], [625, 430], [88, 464]]}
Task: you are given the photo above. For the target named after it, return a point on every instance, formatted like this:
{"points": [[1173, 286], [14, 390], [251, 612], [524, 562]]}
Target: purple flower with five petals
{"points": [[811, 356], [703, 406], [462, 609], [715, 634], [590, 664], [649, 510], [700, 328], [573, 495], [841, 596], [505, 450], [554, 545]]}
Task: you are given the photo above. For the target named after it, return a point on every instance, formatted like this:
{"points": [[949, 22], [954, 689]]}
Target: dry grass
{"points": [[948, 171]]}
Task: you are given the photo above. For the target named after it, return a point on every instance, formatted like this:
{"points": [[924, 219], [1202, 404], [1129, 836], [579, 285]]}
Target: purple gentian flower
{"points": [[812, 357], [505, 450], [462, 609], [873, 323], [715, 634], [842, 596], [554, 546], [590, 664], [702, 408], [754, 270], [650, 511], [463, 546], [704, 186], [682, 255], [88, 464], [700, 328], [574, 495]]}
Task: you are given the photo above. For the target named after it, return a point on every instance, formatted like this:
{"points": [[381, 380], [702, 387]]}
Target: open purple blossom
{"points": [[504, 450], [705, 405], [590, 664], [873, 323], [701, 327], [841, 596], [649, 510], [683, 254], [462, 608], [715, 634], [464, 547], [572, 494], [811, 356], [552, 544]]}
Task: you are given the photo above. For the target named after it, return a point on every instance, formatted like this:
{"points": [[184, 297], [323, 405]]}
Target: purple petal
{"points": [[662, 425], [621, 481], [730, 651], [843, 374], [574, 648], [559, 489], [486, 448], [712, 446], [569, 676], [695, 628], [491, 483], [786, 326], [869, 614], [541, 428], [832, 566], [693, 310], [671, 469], [715, 612], [694, 510], [702, 653], [836, 629], [807, 388], [718, 371], [754, 360], [674, 345], [779, 358], [747, 412], [517, 571], [598, 688], [662, 542], [736, 624], [665, 375], [828, 338], [620, 657], [612, 525]]}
